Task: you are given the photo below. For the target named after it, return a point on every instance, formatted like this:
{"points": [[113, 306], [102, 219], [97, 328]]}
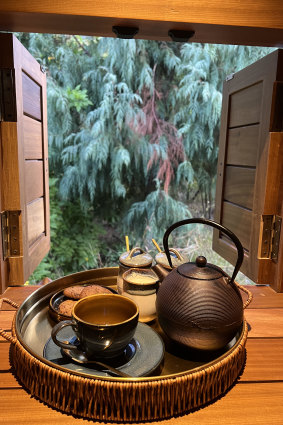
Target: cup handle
{"points": [[57, 328]]}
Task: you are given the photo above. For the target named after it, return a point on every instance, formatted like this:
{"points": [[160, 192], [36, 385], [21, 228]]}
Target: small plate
{"points": [[142, 357], [59, 297]]}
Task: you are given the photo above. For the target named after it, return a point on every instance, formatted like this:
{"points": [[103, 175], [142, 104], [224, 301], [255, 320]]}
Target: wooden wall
{"points": [[216, 21]]}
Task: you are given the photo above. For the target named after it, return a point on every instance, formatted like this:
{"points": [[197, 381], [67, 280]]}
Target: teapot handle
{"points": [[223, 229]]}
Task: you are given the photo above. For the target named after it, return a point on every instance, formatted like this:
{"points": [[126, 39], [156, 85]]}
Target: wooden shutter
{"points": [[24, 199], [249, 191]]}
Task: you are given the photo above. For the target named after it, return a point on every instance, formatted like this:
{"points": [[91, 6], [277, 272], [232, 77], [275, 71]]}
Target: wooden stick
{"points": [[156, 245], [127, 243]]}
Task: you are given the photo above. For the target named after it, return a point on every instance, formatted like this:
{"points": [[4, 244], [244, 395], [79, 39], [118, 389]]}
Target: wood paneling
{"points": [[10, 168], [6, 319], [24, 178], [31, 97], [245, 106], [273, 205], [265, 322], [9, 381], [239, 221], [248, 111], [35, 220], [16, 270], [241, 13], [264, 360], [242, 146], [4, 357], [274, 179], [149, 29], [17, 296], [239, 186], [32, 135], [264, 297], [34, 187]]}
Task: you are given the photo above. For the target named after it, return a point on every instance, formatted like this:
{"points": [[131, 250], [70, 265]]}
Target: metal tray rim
{"points": [[28, 306]]}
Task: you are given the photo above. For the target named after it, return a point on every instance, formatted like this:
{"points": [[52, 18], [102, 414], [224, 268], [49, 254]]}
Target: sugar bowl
{"points": [[141, 286], [135, 258]]}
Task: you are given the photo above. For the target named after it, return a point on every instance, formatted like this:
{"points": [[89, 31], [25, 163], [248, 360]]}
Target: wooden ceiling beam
{"points": [[213, 21]]}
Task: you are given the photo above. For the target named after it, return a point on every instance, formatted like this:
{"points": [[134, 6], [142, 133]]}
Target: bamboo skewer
{"points": [[156, 245], [127, 243]]}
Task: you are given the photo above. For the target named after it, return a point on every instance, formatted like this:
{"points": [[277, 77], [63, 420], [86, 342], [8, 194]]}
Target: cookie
{"points": [[73, 292], [66, 307], [93, 290]]}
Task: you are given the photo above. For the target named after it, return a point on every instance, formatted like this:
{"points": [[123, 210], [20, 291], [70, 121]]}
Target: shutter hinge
{"points": [[270, 237], [7, 95], [10, 233]]}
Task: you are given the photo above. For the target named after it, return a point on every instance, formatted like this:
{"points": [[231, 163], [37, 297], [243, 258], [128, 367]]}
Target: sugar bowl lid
{"points": [[176, 258], [137, 257]]}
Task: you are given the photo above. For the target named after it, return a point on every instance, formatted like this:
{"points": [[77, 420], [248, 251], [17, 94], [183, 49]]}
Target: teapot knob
{"points": [[201, 261]]}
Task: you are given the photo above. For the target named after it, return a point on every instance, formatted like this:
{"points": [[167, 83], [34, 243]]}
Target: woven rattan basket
{"points": [[128, 399]]}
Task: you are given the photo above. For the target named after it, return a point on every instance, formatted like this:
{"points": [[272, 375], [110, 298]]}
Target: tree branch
{"points": [[82, 46]]}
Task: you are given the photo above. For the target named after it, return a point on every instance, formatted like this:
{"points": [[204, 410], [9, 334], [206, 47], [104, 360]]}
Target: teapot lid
{"points": [[176, 258], [135, 258], [200, 270]]}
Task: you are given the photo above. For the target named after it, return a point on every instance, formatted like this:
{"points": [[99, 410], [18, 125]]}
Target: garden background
{"points": [[133, 131]]}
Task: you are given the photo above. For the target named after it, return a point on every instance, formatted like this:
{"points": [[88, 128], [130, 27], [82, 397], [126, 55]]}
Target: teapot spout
{"points": [[160, 271]]}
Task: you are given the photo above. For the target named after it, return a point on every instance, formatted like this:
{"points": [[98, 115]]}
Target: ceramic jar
{"points": [[136, 258], [141, 286]]}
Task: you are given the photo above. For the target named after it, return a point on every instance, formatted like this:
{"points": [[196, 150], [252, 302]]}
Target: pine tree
{"points": [[134, 125]]}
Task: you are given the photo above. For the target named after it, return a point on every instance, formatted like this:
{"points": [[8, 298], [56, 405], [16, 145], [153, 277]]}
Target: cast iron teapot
{"points": [[198, 304]]}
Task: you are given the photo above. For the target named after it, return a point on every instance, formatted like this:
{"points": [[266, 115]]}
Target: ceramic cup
{"points": [[141, 286], [104, 325]]}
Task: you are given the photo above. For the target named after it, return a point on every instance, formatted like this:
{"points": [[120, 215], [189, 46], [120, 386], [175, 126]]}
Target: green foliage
{"points": [[77, 98], [76, 239], [150, 218], [202, 71], [133, 138]]}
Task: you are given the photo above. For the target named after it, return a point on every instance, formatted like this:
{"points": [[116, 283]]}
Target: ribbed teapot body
{"points": [[200, 314]]}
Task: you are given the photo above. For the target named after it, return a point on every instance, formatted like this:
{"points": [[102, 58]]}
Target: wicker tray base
{"points": [[128, 399]]}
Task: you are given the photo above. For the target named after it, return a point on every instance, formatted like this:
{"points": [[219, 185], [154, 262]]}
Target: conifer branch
{"points": [[81, 46]]}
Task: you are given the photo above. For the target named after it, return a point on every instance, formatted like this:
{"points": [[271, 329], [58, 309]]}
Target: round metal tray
{"points": [[187, 378]]}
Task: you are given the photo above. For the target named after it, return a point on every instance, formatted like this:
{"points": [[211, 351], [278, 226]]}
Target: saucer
{"points": [[142, 356], [79, 356]]}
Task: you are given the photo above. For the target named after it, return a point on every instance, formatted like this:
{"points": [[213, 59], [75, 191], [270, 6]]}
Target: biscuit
{"points": [[93, 290], [73, 292], [66, 307]]}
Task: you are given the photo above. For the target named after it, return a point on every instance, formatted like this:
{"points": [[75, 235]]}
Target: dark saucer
{"points": [[79, 356], [142, 356]]}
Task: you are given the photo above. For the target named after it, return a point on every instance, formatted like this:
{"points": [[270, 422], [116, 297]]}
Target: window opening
{"points": [[133, 129]]}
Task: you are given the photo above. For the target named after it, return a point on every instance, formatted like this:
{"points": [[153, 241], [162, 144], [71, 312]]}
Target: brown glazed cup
{"points": [[104, 324]]}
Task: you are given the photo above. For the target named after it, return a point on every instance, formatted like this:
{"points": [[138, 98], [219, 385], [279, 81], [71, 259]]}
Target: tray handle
{"points": [[3, 333], [249, 293]]}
